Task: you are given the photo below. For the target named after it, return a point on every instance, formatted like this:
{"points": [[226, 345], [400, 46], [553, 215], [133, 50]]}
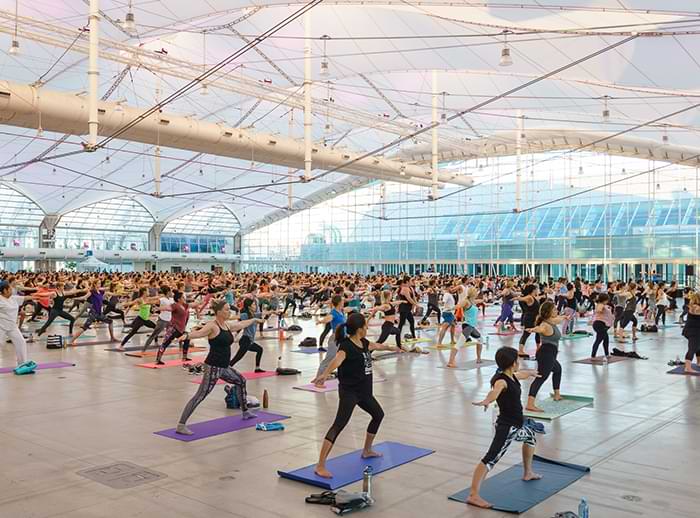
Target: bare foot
{"points": [[320, 384], [451, 365], [371, 454], [478, 360], [477, 501], [533, 408], [323, 472], [557, 398], [531, 476]]}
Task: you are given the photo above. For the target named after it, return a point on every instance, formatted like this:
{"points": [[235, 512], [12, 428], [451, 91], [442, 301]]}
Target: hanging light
{"points": [[14, 46], [506, 59], [325, 65], [580, 170], [606, 111], [204, 90], [129, 21], [664, 137]]}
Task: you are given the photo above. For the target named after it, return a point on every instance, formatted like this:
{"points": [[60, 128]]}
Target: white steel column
{"points": [[290, 170], [156, 160], [518, 153], [434, 154], [307, 96], [93, 72]]}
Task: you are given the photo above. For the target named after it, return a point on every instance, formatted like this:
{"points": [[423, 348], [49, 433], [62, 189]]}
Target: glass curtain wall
{"points": [[116, 224], [586, 214], [208, 231], [20, 218]]}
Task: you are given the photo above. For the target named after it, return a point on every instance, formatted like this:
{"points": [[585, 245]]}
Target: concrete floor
{"points": [[640, 438]]}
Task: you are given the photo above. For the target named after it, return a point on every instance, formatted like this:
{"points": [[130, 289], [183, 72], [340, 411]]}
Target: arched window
{"points": [[20, 218], [209, 231], [116, 224]]}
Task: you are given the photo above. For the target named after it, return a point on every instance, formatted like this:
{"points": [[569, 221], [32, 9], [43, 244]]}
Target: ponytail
{"points": [[340, 332], [546, 310]]}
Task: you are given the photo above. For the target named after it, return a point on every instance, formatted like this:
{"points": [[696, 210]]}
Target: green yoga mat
{"points": [[554, 409]]}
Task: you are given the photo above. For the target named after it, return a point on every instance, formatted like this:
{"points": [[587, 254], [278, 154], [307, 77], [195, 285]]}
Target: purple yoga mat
{"points": [[221, 425], [41, 366]]}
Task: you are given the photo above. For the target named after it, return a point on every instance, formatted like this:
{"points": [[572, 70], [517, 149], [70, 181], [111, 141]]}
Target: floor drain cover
{"points": [[121, 475], [632, 498]]}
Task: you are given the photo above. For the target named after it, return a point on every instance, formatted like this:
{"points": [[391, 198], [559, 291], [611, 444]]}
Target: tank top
{"points": [[405, 306], [58, 302], [530, 312], [145, 311], [391, 311], [220, 349], [552, 339], [510, 407]]}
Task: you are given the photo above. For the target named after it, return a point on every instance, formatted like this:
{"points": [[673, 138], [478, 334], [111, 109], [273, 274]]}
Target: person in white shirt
{"points": [[165, 303], [448, 316], [9, 310]]}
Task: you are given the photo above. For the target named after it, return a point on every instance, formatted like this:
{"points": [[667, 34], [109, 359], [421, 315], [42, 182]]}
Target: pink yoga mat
{"points": [[41, 366]]}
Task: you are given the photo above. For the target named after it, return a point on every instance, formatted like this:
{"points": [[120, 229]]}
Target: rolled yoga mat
{"points": [[220, 426], [509, 493], [349, 468]]}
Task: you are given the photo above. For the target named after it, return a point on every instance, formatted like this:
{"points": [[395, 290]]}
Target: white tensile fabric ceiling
{"points": [[381, 57]]}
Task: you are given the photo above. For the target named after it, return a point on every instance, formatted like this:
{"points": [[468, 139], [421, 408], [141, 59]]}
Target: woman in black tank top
{"points": [[388, 327], [216, 365], [510, 425]]}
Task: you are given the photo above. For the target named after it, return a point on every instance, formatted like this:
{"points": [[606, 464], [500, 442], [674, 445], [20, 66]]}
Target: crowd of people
{"points": [[232, 308]]}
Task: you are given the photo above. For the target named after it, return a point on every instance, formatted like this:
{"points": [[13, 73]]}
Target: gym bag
{"points": [[54, 342], [649, 328], [282, 371], [294, 328], [27, 367], [309, 341]]}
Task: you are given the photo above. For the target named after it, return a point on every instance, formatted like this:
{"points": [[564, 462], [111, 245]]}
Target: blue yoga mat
{"points": [[509, 493], [348, 468], [681, 370]]}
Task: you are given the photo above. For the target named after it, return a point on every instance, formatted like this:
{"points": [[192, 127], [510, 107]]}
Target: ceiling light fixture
{"points": [[325, 65], [506, 59], [606, 110], [14, 46], [129, 21]]}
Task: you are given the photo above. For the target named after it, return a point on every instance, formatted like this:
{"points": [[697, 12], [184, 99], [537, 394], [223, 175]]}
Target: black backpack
{"points": [[294, 328], [309, 341], [649, 328]]}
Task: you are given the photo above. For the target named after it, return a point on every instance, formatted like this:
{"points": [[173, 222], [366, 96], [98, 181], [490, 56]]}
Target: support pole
{"points": [[156, 160], [518, 153], [307, 96], [93, 73], [434, 153], [290, 171]]}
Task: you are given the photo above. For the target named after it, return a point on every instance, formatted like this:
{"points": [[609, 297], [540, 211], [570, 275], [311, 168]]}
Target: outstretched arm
{"points": [[492, 396]]}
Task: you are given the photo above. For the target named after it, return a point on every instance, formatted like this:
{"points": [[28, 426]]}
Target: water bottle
{"points": [[367, 481], [487, 341], [583, 509], [279, 362]]}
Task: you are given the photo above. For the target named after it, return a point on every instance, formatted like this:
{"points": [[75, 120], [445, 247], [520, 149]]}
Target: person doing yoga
{"points": [[216, 365], [336, 318], [530, 307], [691, 331], [247, 341], [469, 331], [548, 327], [510, 424], [602, 322], [388, 308], [449, 320], [354, 363]]}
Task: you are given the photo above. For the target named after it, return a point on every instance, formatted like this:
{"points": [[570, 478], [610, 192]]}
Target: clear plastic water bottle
{"points": [[583, 509], [367, 481]]}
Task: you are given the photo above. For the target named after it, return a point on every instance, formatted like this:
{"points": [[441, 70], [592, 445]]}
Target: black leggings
{"points": [[693, 348], [108, 310], [137, 324], [601, 336], [627, 317], [388, 329], [526, 335], [660, 314], [546, 364], [290, 302], [55, 313], [171, 334], [245, 345], [431, 308], [325, 332], [407, 316], [347, 401]]}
